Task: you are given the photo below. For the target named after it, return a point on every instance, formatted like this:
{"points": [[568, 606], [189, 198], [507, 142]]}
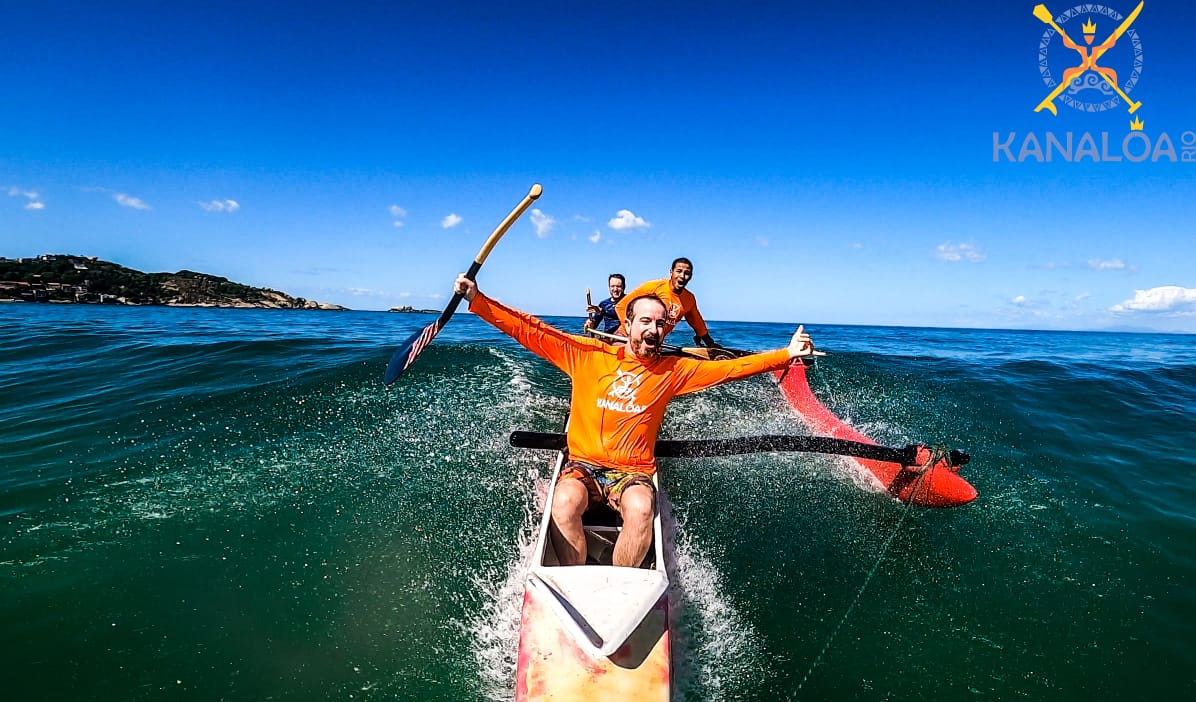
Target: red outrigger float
{"points": [[601, 632], [941, 485]]}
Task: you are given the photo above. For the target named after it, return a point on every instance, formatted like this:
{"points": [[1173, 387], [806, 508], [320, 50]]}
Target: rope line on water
{"points": [[936, 454]]}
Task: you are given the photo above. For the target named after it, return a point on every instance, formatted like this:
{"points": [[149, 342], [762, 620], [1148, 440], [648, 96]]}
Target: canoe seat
{"points": [[600, 545], [601, 515]]}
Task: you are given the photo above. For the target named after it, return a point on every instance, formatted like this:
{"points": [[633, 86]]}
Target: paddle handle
{"points": [[415, 344], [502, 228], [497, 234], [702, 352]]}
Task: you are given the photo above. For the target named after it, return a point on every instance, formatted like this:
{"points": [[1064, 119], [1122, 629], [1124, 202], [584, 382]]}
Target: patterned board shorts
{"points": [[604, 485]]}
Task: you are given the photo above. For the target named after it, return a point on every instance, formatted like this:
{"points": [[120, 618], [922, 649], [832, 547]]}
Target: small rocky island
{"points": [[86, 279], [409, 308]]}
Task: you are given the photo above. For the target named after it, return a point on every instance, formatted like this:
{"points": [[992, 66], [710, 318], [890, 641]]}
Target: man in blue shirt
{"points": [[602, 316]]}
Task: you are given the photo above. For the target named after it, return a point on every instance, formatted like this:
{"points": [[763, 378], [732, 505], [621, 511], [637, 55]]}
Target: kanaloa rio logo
{"points": [[1088, 82], [1090, 59]]}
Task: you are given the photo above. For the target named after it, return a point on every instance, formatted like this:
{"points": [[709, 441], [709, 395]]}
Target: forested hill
{"points": [[69, 278]]}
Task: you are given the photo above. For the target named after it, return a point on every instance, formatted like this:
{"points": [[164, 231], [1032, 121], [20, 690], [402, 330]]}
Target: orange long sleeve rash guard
{"points": [[678, 306], [618, 401]]}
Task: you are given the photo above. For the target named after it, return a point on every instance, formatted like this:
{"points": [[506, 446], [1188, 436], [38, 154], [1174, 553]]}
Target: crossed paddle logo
{"points": [[1089, 55]]}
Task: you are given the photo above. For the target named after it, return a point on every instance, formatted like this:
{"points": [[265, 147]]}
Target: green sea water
{"points": [[201, 504]]}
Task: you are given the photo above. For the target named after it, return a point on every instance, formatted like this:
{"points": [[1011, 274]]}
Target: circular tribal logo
{"points": [[1096, 61]]}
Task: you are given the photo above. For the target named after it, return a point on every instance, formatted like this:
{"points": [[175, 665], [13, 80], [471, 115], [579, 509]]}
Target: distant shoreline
{"points": [[72, 279], [206, 305]]}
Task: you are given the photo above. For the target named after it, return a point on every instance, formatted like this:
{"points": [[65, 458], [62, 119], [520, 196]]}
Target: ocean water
{"points": [[201, 504]]}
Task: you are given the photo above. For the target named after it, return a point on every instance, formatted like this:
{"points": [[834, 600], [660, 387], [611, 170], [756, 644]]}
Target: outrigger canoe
{"points": [[601, 632], [594, 631], [937, 486]]}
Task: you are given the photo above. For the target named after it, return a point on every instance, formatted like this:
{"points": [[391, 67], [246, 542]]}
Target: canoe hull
{"points": [[552, 666], [594, 631], [940, 487]]}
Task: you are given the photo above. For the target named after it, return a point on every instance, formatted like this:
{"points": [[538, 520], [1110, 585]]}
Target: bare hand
{"points": [[593, 310], [801, 344], [465, 287]]}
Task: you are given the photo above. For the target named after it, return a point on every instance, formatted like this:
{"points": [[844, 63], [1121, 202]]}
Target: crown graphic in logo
{"points": [[1137, 124], [1089, 26]]}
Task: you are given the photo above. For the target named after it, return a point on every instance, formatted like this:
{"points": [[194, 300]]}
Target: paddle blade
{"points": [[409, 351], [1043, 14]]}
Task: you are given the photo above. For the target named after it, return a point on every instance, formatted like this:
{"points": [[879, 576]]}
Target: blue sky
{"points": [[819, 163]]}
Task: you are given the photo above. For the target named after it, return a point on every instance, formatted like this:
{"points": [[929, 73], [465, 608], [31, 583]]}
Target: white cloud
{"points": [[595, 237], [857, 245], [220, 206], [1019, 300], [398, 213], [543, 223], [626, 219], [34, 203], [129, 201], [1115, 264], [1163, 299], [954, 253], [451, 221]]}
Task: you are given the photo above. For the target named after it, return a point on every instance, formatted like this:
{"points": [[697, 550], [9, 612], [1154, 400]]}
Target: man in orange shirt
{"points": [[680, 302], [620, 394]]}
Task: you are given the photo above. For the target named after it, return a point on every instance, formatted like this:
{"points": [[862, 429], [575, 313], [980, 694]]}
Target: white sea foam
{"points": [[716, 651], [493, 630]]}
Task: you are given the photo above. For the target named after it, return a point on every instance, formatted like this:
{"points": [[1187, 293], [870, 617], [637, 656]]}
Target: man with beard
{"points": [[679, 302], [620, 394]]}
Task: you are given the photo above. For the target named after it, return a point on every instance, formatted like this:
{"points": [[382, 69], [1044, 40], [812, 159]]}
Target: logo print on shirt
{"points": [[624, 386], [674, 312], [622, 393]]}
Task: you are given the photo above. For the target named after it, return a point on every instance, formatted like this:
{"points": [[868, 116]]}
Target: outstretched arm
{"points": [[698, 375], [552, 344]]}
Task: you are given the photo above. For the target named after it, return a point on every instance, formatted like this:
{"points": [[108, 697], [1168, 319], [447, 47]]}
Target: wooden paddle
{"points": [[695, 448], [589, 303], [703, 352], [415, 344]]}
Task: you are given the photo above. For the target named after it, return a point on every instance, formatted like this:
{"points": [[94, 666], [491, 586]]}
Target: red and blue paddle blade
{"points": [[409, 351]]}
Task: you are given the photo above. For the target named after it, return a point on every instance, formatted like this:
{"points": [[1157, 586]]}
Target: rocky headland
{"points": [[86, 279]]}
